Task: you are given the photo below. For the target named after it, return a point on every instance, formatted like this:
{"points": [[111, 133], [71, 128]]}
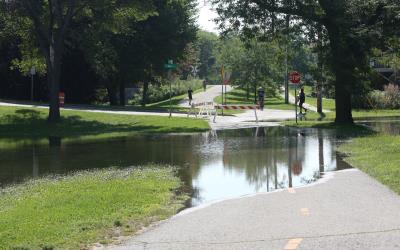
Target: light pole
{"points": [[32, 72]]}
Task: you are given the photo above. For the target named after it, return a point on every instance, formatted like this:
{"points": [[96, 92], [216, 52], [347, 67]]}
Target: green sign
{"points": [[170, 66]]}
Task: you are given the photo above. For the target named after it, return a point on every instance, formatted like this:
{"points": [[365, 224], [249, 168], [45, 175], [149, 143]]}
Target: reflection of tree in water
{"points": [[259, 157]]}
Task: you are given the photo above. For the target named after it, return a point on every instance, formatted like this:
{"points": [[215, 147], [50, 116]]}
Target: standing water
{"points": [[215, 165]]}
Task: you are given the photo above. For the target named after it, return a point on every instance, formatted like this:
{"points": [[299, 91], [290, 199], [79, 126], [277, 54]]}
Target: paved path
{"points": [[207, 96], [348, 210], [267, 117]]}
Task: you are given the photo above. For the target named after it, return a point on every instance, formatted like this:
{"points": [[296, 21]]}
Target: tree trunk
{"points": [[122, 94], [112, 95], [343, 68], [343, 102], [145, 90], [54, 69]]}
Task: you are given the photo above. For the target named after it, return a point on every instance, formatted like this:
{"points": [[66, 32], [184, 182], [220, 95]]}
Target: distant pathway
{"points": [[207, 96]]}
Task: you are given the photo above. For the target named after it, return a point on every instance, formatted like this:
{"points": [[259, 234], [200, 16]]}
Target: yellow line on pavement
{"points": [[305, 211], [293, 244]]}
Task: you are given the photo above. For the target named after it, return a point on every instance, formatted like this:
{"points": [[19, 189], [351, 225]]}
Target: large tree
{"points": [[161, 37], [50, 21], [352, 26]]}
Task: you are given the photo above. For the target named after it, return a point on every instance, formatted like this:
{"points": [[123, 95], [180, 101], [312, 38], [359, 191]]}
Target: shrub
{"points": [[157, 93], [392, 96], [387, 99]]}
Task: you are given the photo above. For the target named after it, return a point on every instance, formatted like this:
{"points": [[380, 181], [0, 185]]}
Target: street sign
{"points": [[170, 66], [295, 77]]}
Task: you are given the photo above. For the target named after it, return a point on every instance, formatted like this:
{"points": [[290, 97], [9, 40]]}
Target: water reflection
{"points": [[389, 128], [215, 165]]}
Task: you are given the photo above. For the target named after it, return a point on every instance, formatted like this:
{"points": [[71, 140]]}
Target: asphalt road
{"points": [[348, 210]]}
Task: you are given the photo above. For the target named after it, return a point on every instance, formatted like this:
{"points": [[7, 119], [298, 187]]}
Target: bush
{"points": [[157, 93], [392, 96], [387, 99]]}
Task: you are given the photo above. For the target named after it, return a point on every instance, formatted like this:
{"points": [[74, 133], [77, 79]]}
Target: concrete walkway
{"points": [[267, 117], [348, 210], [207, 96]]}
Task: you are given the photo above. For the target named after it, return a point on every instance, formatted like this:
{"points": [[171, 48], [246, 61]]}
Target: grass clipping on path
{"points": [[86, 207], [378, 156]]}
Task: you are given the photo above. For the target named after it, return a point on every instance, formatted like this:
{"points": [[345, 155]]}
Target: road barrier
{"points": [[237, 107], [205, 109]]}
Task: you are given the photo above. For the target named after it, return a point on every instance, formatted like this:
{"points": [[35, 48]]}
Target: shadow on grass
{"points": [[27, 123]]}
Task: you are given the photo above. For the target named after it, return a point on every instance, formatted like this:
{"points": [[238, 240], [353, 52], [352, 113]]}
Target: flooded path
{"points": [[214, 165]]}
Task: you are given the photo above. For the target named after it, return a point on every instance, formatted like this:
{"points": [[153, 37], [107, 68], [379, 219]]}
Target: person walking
{"points": [[261, 95], [190, 92], [302, 100], [205, 82]]}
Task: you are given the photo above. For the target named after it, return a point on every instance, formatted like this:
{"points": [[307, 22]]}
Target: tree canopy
{"points": [[352, 29]]}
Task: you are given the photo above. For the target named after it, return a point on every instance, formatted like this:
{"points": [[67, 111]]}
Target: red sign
{"points": [[294, 77], [61, 97]]}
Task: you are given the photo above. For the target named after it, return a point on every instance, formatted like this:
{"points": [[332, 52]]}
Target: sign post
{"points": [[222, 86], [295, 80], [170, 66]]}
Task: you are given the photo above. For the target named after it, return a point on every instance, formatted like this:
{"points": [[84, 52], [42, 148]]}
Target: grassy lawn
{"points": [[71, 212], [314, 119], [327, 104], [239, 96], [31, 123], [378, 156]]}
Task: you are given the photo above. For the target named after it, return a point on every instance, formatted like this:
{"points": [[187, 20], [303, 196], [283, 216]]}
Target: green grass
{"points": [[238, 96], [71, 212], [327, 104], [314, 119], [378, 156], [32, 123]]}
